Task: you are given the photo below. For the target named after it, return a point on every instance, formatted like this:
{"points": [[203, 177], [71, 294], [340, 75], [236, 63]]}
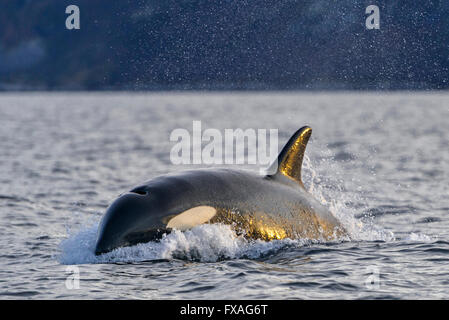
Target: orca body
{"points": [[262, 207]]}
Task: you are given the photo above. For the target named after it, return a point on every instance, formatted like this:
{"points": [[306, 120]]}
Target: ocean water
{"points": [[379, 161]]}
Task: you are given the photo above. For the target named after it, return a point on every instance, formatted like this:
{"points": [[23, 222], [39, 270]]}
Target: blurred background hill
{"points": [[204, 44]]}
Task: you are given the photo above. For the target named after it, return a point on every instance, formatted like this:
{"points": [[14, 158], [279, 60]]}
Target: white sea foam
{"points": [[205, 243], [329, 192], [419, 237]]}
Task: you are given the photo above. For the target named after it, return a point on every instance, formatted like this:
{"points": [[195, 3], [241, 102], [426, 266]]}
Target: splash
{"points": [[419, 237], [215, 242], [329, 190], [206, 243]]}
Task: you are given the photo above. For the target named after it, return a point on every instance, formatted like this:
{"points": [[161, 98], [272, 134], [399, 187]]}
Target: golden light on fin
{"points": [[289, 162], [192, 217]]}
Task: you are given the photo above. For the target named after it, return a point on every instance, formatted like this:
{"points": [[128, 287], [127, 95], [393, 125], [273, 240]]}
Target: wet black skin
{"points": [[141, 215]]}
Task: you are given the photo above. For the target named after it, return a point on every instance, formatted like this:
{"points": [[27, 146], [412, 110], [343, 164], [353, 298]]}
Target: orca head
{"points": [[132, 218]]}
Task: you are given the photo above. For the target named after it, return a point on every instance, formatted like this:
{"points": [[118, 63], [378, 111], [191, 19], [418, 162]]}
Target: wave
{"points": [[206, 243]]}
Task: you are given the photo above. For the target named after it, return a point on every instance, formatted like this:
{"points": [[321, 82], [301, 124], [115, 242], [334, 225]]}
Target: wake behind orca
{"points": [[274, 206]]}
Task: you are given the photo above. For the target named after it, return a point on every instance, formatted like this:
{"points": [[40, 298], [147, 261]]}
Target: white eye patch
{"points": [[192, 217]]}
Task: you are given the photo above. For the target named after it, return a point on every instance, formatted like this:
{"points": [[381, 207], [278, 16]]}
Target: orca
{"points": [[274, 206]]}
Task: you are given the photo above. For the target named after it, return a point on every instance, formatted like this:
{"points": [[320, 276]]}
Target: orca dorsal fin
{"points": [[289, 161]]}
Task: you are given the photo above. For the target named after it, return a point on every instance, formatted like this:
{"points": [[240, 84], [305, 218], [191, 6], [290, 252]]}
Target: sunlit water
{"points": [[380, 162]]}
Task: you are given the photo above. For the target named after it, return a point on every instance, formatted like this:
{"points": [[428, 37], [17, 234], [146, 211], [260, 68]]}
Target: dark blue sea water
{"points": [[379, 161]]}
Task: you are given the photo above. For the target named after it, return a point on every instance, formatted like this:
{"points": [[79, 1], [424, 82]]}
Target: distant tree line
{"points": [[224, 44]]}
